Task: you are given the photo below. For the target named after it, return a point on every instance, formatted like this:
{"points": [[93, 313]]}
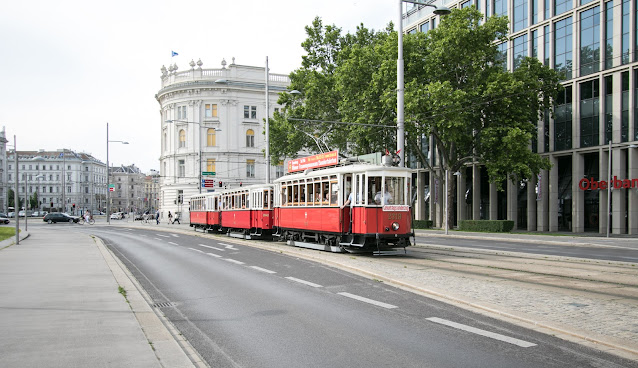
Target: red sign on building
{"points": [[313, 162]]}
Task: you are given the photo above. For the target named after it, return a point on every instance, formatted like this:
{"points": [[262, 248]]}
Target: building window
{"points": [[250, 112], [636, 105], [626, 22], [181, 168], [589, 107], [250, 138], [561, 6], [279, 170], [624, 119], [609, 107], [534, 44], [181, 113], [500, 7], [520, 15], [425, 27], [590, 41], [563, 120], [563, 47], [466, 4], [546, 46], [609, 34], [502, 54], [210, 165], [211, 137], [520, 50], [250, 168], [182, 138], [210, 110]]}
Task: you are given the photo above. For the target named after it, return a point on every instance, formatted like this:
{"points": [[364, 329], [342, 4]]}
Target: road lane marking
{"points": [[196, 250], [233, 261], [229, 246], [162, 235], [175, 235], [213, 255], [158, 239], [304, 282], [262, 269], [485, 333], [208, 246], [173, 243], [370, 301]]}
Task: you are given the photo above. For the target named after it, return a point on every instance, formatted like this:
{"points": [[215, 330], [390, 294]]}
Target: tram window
{"points": [[374, 187], [396, 187], [334, 193], [317, 193], [266, 205], [302, 194]]}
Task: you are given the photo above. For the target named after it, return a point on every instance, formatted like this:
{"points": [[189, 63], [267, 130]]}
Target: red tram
{"points": [[352, 208], [349, 208]]}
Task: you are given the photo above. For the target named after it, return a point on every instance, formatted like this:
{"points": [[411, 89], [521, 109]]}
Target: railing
{"points": [[235, 73]]}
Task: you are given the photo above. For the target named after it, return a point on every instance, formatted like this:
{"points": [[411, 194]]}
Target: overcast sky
{"points": [[68, 67]]}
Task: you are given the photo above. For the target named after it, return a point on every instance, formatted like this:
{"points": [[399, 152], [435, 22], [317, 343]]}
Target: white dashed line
{"points": [[208, 246], [173, 243], [233, 261], [214, 255], [229, 246], [196, 250], [478, 331], [304, 282], [158, 239], [262, 269], [369, 301], [162, 235], [175, 235]]}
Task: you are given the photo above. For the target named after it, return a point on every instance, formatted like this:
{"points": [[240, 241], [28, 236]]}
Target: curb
{"points": [[12, 240]]}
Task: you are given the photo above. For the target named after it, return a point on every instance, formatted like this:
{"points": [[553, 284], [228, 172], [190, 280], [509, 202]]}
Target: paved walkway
{"points": [[61, 306]]}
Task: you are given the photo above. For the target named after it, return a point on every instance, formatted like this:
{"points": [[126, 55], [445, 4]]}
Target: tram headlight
{"points": [[395, 226]]}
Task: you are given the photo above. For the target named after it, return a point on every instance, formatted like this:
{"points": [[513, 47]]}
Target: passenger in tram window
{"points": [[387, 197]]}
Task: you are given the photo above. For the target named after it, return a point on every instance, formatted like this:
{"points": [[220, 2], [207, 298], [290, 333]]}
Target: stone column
{"points": [[419, 211], [476, 192], [618, 203], [461, 208], [512, 202], [493, 202], [531, 204], [603, 198], [552, 195], [632, 205], [578, 196]]}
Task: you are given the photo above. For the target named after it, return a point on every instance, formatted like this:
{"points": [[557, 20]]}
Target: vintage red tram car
{"points": [[205, 211], [353, 208], [247, 212]]}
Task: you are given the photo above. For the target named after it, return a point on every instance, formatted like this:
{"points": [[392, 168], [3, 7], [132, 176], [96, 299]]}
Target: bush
{"points": [[422, 224], [489, 226]]}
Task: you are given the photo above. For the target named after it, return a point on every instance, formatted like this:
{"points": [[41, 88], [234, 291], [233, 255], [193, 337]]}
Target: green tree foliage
{"points": [[457, 91]]}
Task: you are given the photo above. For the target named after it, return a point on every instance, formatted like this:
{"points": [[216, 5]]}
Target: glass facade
{"points": [[520, 49], [590, 41], [520, 15], [589, 107], [563, 120], [563, 47]]}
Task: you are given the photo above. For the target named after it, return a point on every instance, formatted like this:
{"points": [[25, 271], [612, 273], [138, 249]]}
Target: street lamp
{"points": [[26, 202], [438, 10], [108, 186]]}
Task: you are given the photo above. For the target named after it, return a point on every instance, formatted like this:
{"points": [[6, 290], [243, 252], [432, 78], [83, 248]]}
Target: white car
{"points": [[117, 216]]}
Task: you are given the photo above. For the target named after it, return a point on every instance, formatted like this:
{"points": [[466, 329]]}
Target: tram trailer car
{"points": [[204, 211], [312, 208], [247, 212]]}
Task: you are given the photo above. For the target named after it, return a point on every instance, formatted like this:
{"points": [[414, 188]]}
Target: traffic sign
{"points": [[208, 173]]}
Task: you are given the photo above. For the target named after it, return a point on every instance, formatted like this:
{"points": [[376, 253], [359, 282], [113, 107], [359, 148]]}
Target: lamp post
{"points": [[438, 10], [108, 186], [16, 197]]}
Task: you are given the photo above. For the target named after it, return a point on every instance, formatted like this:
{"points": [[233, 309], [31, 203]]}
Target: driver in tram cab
{"points": [[387, 197]]}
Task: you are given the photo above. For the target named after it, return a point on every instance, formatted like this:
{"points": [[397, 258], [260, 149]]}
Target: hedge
{"points": [[489, 226], [422, 224]]}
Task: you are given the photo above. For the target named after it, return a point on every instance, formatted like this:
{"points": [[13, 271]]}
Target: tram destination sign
{"points": [[313, 162]]}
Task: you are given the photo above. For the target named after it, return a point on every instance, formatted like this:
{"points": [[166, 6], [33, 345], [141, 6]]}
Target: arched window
{"points": [[211, 138], [250, 138], [182, 138]]}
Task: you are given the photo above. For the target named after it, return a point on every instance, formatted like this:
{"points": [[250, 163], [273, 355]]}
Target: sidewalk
{"points": [[61, 307]]}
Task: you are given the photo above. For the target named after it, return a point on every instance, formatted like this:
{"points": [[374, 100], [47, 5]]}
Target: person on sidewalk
{"points": [[157, 217], [170, 217], [176, 219]]}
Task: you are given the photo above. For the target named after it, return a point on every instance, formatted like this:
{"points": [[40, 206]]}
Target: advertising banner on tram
{"points": [[313, 162]]}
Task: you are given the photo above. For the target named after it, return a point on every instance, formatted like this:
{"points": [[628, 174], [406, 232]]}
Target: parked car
{"points": [[117, 216], [59, 217], [3, 219], [11, 214], [37, 214]]}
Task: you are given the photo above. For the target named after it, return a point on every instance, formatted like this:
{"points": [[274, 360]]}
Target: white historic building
{"points": [[213, 121]]}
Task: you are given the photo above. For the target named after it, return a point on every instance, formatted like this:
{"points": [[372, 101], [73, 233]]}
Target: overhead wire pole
{"points": [[16, 197], [267, 126]]}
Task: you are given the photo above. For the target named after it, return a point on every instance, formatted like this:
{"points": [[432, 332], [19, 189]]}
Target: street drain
{"points": [[163, 305]]}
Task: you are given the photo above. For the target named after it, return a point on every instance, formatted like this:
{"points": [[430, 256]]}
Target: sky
{"points": [[69, 67]]}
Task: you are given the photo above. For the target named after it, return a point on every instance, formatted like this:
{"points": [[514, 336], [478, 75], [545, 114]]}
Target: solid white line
{"points": [[163, 236], [262, 269], [208, 246], [196, 250], [363, 299], [173, 243], [233, 260], [213, 255], [478, 331], [304, 282]]}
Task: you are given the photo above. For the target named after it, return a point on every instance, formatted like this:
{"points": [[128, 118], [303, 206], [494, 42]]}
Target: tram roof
{"points": [[346, 169]]}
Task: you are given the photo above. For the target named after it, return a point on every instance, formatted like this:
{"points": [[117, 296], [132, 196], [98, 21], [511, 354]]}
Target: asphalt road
{"points": [[241, 306]]}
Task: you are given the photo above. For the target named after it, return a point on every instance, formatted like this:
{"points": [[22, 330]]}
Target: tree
{"points": [[34, 201], [457, 91]]}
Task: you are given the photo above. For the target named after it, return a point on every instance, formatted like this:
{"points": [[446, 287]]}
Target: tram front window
{"points": [[391, 192]]}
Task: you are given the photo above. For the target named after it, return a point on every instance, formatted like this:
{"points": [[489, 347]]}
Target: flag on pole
{"points": [[173, 53]]}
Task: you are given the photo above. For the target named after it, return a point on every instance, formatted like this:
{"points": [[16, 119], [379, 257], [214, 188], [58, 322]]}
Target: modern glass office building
{"points": [[592, 140]]}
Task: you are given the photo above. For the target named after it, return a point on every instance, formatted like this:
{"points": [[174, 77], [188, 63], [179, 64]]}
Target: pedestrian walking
{"points": [[170, 217], [157, 217]]}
